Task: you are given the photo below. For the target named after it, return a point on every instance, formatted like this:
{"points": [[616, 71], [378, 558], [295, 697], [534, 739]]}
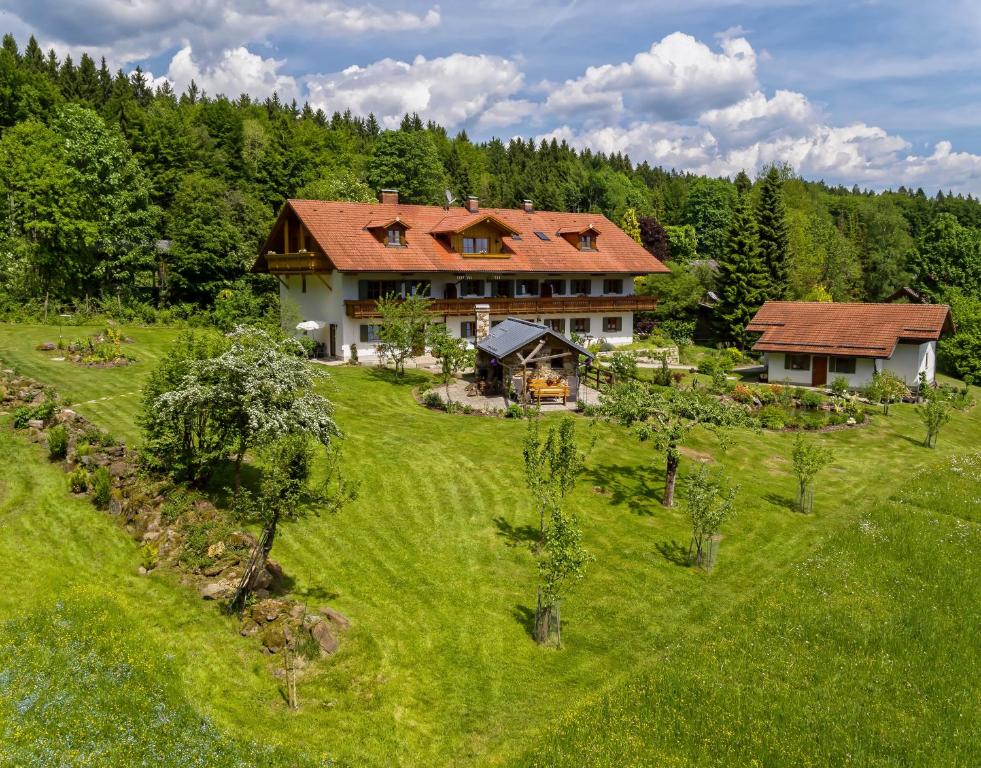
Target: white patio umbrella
{"points": [[310, 325]]}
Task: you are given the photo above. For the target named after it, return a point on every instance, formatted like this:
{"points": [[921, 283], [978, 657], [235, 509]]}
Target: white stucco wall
{"points": [[907, 362], [319, 303]]}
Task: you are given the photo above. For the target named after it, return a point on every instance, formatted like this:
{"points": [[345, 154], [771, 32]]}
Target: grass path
{"points": [[432, 564]]}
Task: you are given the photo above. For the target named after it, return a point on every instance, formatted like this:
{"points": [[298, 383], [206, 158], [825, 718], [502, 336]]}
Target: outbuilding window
{"points": [[799, 362], [842, 365]]}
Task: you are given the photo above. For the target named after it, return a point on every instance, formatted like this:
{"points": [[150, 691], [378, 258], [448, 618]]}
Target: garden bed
{"points": [[101, 350]]}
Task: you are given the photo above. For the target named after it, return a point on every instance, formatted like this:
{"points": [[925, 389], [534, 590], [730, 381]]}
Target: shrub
{"points": [[514, 411], [101, 484], [453, 407], [57, 442], [623, 365], [82, 449], [680, 332], [432, 400], [839, 386], [811, 399], [78, 480], [149, 555], [467, 409], [177, 504], [772, 417], [765, 395], [22, 415]]}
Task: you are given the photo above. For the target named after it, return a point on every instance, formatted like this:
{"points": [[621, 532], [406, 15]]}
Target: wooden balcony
{"points": [[360, 309], [301, 263]]}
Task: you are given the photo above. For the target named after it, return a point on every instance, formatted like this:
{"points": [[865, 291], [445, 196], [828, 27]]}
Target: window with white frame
{"points": [[580, 325], [369, 333], [613, 285], [798, 362]]}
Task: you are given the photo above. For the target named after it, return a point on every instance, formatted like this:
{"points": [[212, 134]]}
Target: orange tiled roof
{"points": [[339, 229], [855, 330]]}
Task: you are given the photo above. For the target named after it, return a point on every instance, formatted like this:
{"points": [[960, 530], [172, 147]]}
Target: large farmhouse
{"points": [[572, 271], [813, 342]]}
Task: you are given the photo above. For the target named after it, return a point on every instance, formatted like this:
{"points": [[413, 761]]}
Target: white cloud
{"points": [[757, 118], [130, 30], [451, 89], [235, 72], [678, 78]]}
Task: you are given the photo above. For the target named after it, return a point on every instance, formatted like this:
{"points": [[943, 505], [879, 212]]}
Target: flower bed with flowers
{"points": [[778, 406]]}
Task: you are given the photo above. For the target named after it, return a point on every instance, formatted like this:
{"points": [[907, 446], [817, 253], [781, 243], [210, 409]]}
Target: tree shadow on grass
{"points": [[917, 441], [632, 486], [321, 594], [673, 551], [515, 534], [781, 501], [525, 616]]}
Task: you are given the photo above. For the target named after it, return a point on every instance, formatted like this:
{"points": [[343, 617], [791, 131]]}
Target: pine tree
{"points": [[771, 220], [630, 225], [743, 279]]}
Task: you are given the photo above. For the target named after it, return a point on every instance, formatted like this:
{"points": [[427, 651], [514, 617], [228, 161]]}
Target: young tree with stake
{"points": [[935, 414], [809, 458], [710, 504], [552, 466]]}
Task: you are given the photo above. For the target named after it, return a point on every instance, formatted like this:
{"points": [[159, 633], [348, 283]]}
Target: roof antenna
{"points": [[449, 198]]}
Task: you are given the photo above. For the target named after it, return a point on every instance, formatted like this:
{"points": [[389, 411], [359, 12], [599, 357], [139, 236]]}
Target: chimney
{"points": [[482, 324], [473, 204], [527, 206], [389, 196]]}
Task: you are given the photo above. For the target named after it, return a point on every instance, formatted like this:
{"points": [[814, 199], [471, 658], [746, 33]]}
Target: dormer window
{"points": [[389, 232], [476, 245], [581, 237]]}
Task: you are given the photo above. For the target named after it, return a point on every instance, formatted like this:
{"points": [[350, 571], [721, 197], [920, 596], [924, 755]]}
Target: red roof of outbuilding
{"points": [[339, 229], [855, 330]]}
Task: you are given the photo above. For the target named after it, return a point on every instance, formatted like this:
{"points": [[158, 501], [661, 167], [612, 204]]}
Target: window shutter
{"points": [[362, 292], [364, 332]]}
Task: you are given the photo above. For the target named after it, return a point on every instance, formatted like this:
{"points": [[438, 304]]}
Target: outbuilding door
{"points": [[819, 371]]}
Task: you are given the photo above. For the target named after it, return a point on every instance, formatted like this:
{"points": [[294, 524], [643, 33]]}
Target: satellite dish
{"points": [[449, 198]]}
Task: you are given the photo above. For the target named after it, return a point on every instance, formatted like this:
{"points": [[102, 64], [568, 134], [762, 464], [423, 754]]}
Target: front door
{"points": [[819, 371], [333, 340]]}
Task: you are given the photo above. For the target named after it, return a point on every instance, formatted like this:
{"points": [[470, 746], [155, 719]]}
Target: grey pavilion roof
{"points": [[512, 334]]}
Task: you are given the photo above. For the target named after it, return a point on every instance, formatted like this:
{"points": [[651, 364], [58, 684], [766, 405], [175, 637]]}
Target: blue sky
{"points": [[876, 92]]}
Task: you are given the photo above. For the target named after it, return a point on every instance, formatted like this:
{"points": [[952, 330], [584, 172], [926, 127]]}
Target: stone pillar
{"points": [[482, 325]]}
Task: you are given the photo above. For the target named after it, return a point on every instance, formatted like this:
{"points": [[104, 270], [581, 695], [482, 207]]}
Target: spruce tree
{"points": [[743, 278], [771, 221]]}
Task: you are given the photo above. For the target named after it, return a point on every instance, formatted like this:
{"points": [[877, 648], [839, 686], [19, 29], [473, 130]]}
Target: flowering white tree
{"points": [[255, 391]]}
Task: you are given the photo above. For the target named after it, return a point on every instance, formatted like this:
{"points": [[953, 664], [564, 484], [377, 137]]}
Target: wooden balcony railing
{"points": [[304, 262], [360, 309]]}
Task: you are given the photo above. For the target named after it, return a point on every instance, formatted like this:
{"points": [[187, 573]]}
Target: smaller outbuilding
{"points": [[535, 361], [805, 342]]}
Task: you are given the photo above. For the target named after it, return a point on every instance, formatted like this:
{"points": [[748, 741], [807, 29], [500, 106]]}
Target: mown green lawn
{"points": [[433, 565]]}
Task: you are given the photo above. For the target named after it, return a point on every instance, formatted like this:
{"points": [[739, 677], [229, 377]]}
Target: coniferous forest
{"points": [[151, 205]]}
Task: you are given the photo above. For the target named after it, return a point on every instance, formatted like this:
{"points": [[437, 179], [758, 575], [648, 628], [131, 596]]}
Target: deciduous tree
{"points": [[666, 419], [710, 505]]}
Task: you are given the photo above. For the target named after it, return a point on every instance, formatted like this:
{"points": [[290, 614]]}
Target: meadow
{"points": [[844, 636]]}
